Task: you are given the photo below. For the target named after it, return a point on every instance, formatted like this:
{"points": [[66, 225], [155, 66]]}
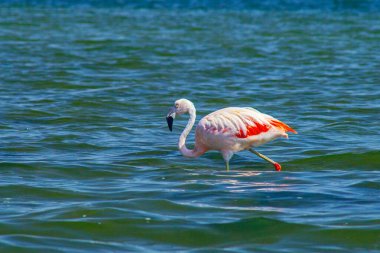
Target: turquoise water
{"points": [[87, 161]]}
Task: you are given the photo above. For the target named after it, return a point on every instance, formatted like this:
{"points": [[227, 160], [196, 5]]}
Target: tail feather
{"points": [[282, 125]]}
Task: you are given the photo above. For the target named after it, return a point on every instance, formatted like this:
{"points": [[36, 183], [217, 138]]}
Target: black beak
{"points": [[170, 120]]}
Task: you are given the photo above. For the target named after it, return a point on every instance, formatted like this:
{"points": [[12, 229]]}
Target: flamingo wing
{"points": [[241, 123]]}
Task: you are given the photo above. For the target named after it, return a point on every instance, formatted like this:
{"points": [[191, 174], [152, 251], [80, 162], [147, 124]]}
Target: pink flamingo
{"points": [[228, 130]]}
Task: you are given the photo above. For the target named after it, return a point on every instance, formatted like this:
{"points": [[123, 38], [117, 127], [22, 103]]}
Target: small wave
{"points": [[211, 4], [353, 161]]}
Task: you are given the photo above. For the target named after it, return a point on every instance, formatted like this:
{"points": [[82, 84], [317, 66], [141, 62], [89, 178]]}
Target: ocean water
{"points": [[88, 164]]}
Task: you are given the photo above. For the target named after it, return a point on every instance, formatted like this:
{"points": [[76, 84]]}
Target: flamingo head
{"points": [[181, 106]]}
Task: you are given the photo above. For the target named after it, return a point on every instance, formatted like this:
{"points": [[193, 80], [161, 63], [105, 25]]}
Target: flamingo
{"points": [[228, 130]]}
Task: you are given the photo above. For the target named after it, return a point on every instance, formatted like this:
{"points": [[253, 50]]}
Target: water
{"points": [[87, 162]]}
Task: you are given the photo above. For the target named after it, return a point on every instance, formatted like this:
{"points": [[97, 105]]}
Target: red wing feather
{"points": [[254, 129], [282, 125]]}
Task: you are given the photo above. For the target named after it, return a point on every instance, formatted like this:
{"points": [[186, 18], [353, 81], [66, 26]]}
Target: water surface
{"points": [[88, 164]]}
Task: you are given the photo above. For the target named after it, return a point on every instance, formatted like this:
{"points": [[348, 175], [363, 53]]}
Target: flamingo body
{"points": [[229, 130], [237, 128]]}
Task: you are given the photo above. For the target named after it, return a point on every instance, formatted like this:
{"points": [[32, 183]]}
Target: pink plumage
{"points": [[229, 130]]}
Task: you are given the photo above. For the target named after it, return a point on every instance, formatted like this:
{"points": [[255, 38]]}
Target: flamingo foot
{"points": [[277, 166]]}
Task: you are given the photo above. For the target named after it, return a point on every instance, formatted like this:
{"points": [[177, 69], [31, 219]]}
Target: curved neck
{"points": [[182, 139]]}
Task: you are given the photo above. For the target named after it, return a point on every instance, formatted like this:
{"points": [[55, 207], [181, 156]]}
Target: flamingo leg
{"points": [[277, 166], [227, 154], [228, 166]]}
